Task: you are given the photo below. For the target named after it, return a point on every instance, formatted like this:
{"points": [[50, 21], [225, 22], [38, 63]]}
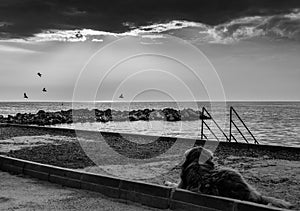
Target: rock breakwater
{"points": [[85, 115]]}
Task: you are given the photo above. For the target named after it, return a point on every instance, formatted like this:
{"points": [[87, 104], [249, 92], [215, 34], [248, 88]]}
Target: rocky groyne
{"points": [[84, 115]]}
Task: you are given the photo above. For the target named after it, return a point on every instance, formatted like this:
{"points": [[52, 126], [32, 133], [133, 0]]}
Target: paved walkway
{"points": [[22, 193]]}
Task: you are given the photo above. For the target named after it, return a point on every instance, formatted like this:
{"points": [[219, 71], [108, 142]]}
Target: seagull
{"points": [[39, 74], [44, 90], [78, 35], [121, 96], [25, 96]]}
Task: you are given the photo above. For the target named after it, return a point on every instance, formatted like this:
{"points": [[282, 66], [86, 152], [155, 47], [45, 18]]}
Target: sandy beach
{"points": [[22, 193], [274, 174]]}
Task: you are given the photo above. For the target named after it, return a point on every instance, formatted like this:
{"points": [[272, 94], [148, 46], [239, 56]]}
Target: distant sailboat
{"points": [[121, 96]]}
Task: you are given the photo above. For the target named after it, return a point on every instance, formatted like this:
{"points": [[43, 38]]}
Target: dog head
{"points": [[198, 155]]}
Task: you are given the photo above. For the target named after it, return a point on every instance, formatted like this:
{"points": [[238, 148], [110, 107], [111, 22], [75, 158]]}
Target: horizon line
{"points": [[140, 101]]}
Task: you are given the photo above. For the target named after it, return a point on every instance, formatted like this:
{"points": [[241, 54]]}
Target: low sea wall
{"points": [[144, 193], [244, 149]]}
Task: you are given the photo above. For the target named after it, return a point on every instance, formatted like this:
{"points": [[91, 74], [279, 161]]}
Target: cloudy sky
{"points": [[150, 50]]}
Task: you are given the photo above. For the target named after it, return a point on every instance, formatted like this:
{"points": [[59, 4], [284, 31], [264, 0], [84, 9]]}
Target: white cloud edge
{"points": [[232, 31]]}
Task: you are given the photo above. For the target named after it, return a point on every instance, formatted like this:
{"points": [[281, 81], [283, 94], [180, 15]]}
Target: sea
{"points": [[274, 123]]}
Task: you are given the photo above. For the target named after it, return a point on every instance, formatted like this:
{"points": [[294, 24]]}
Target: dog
{"points": [[199, 174]]}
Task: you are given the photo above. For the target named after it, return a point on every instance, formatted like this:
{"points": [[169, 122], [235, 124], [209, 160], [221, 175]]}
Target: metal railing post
{"points": [[230, 122], [202, 123], [245, 126], [204, 111], [255, 141]]}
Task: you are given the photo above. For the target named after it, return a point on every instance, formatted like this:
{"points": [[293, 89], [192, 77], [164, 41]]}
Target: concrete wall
{"points": [[147, 194], [240, 145]]}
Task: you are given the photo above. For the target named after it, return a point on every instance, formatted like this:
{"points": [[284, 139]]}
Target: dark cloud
{"points": [[32, 16]]}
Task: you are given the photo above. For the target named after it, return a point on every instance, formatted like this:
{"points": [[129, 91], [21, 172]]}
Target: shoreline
{"points": [[265, 169], [268, 122]]}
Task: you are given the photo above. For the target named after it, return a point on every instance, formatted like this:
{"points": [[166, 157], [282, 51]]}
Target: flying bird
{"points": [[121, 96], [78, 35], [39, 74], [44, 90], [25, 96]]}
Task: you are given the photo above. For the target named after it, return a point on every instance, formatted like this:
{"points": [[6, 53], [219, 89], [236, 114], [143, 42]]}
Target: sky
{"points": [[150, 50]]}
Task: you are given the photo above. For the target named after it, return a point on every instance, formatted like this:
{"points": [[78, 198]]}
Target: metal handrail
{"points": [[239, 132], [212, 132], [232, 122], [204, 123], [231, 136]]}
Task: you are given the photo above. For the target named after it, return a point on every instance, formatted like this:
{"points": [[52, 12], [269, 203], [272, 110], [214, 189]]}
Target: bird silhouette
{"points": [[39, 74], [25, 96], [121, 96], [44, 90], [78, 35]]}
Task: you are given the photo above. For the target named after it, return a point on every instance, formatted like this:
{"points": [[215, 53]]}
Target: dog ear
{"points": [[191, 155], [205, 156]]}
